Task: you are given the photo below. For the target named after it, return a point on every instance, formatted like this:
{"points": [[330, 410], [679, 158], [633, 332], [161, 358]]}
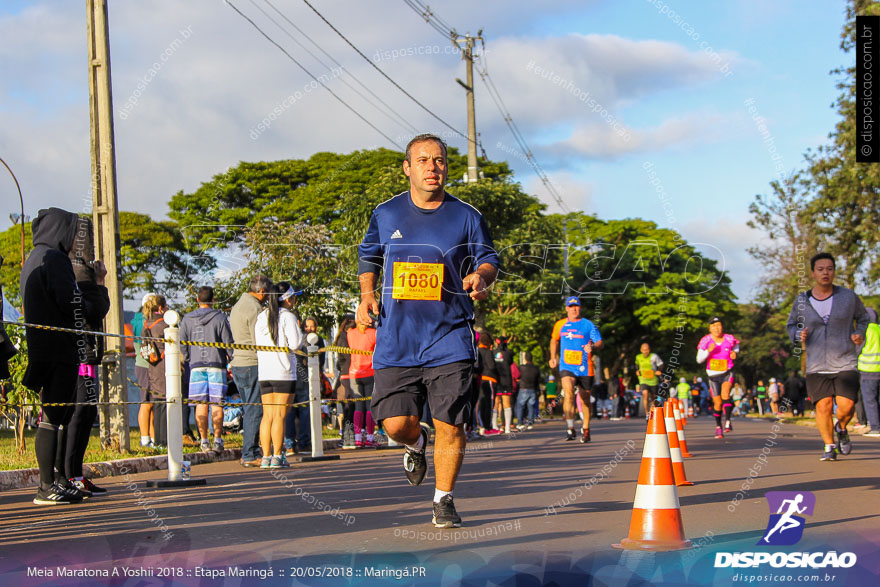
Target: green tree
{"points": [[847, 192], [10, 250], [312, 191], [640, 283], [155, 257], [299, 253], [767, 351]]}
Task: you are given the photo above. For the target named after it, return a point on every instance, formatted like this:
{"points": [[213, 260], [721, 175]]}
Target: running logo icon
{"points": [[786, 526]]}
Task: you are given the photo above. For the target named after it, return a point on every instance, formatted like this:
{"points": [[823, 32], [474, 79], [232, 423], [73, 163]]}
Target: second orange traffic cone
{"points": [[656, 519], [674, 446], [682, 440]]}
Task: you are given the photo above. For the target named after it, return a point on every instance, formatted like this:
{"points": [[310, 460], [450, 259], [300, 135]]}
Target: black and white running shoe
{"points": [[56, 494], [414, 463], [445, 515]]}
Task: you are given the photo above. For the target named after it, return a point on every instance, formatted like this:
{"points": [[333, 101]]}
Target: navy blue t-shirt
{"points": [[425, 332]]}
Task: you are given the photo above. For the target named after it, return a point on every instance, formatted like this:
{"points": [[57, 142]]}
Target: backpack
{"points": [[148, 350]]}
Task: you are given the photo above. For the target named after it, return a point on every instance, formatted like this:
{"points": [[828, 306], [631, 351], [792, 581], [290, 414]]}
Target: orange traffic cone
{"points": [[682, 441], [674, 446], [656, 521]]}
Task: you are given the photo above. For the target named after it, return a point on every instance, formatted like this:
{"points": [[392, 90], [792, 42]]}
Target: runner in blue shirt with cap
{"points": [[578, 338], [436, 258]]}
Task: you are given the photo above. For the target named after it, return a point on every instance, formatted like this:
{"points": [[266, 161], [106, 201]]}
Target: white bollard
{"points": [[174, 408], [315, 404]]}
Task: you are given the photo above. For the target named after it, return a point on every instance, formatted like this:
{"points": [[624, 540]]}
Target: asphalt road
{"points": [[536, 509]]}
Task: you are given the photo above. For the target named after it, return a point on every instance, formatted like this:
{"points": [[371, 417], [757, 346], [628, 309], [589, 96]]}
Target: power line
{"points": [[447, 31], [432, 19], [385, 75], [400, 119], [520, 139], [302, 67]]}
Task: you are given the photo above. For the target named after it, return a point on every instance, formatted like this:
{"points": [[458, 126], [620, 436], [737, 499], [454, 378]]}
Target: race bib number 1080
{"points": [[417, 281]]}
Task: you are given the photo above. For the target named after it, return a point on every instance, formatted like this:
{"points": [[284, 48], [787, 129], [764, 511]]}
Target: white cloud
{"points": [[194, 117], [574, 192], [726, 240]]}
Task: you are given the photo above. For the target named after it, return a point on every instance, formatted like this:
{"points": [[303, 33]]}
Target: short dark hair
{"points": [[260, 283], [819, 256], [421, 139], [206, 294]]}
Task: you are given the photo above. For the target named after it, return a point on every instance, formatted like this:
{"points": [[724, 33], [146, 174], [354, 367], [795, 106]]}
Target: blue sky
{"points": [[684, 115]]}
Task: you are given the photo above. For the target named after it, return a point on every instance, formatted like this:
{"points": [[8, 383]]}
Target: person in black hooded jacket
{"points": [[72, 451], [52, 298]]}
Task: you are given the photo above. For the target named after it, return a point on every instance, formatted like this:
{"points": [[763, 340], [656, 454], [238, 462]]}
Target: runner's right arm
{"points": [[368, 298]]}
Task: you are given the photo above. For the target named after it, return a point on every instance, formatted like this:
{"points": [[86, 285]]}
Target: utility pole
{"points": [[114, 419], [565, 258], [468, 55]]}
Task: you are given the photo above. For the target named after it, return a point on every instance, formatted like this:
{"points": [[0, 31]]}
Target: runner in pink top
{"points": [[721, 350]]}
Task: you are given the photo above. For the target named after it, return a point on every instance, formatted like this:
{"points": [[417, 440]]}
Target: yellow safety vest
{"points": [[869, 359]]}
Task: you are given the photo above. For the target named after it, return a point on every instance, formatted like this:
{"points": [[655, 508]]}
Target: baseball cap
{"points": [[572, 301], [683, 380], [772, 380], [699, 379], [714, 319]]}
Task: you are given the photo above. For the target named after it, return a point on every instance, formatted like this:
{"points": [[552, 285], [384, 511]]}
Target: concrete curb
{"points": [[23, 478]]}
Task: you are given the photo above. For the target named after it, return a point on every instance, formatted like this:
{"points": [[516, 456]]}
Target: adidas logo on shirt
{"points": [[396, 234]]}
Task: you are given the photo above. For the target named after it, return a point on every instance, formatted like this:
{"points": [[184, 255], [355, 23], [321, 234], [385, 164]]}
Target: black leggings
{"points": [[78, 430], [56, 383], [347, 407], [476, 384], [484, 404]]}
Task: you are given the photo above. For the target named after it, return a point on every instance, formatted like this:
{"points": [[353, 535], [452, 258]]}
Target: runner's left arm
{"points": [[485, 259], [596, 338]]}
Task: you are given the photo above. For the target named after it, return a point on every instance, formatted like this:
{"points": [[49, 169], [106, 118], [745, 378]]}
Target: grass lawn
{"points": [[10, 459]]}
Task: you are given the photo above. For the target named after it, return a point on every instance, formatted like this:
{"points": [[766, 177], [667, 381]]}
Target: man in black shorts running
{"points": [[436, 257], [830, 321]]}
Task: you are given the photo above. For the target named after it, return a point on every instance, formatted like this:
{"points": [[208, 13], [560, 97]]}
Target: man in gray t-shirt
{"points": [[244, 366]]}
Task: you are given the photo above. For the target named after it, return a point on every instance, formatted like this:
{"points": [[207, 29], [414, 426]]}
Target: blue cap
{"points": [[572, 301]]}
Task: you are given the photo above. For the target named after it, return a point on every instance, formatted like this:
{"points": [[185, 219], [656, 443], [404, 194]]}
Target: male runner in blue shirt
{"points": [[578, 338], [436, 257]]}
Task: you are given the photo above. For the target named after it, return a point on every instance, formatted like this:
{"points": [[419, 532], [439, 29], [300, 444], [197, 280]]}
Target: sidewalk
{"points": [[22, 478]]}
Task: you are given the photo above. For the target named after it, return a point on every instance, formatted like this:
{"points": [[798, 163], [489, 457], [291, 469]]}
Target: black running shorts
{"points": [[585, 382], [402, 391], [652, 392], [267, 387], [821, 385]]}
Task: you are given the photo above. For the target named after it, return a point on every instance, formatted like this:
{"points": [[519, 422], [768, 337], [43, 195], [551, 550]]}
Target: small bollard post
{"points": [[315, 405], [174, 413]]}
